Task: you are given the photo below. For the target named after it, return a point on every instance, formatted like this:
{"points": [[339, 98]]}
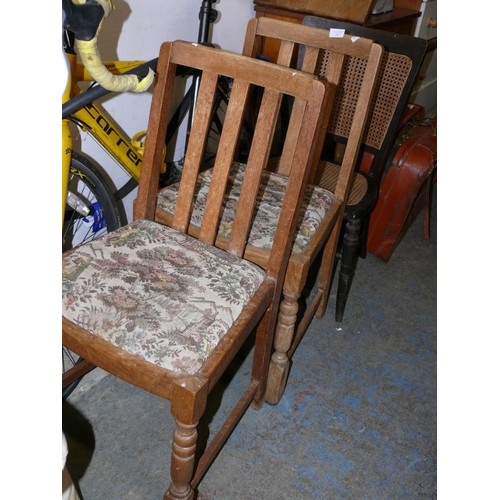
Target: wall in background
{"points": [[135, 31]]}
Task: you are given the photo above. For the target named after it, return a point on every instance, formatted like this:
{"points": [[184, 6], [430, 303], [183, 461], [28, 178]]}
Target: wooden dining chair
{"points": [[403, 56], [322, 209], [166, 311]]}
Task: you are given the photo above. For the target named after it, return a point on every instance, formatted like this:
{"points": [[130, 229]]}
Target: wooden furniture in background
{"points": [[425, 89], [356, 11], [408, 17], [325, 57], [402, 19], [168, 312]]}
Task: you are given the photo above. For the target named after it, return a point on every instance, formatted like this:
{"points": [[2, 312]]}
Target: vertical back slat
{"points": [[145, 203], [194, 152], [358, 125], [246, 74], [309, 64], [257, 160], [330, 59], [304, 157], [332, 73], [285, 53], [225, 154], [252, 44], [290, 141], [310, 61]]}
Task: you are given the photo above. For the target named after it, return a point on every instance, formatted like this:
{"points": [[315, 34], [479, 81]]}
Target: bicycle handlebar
{"points": [[84, 18], [93, 93]]}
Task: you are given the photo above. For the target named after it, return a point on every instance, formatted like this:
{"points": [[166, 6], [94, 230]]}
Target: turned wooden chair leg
{"points": [[280, 363], [350, 253], [189, 402], [182, 464]]}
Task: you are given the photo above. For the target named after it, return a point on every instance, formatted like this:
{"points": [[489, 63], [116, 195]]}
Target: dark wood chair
{"points": [[403, 56], [168, 312], [322, 209]]}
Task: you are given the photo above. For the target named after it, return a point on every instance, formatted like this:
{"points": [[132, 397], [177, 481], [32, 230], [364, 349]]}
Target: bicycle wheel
{"points": [[91, 209], [91, 212]]}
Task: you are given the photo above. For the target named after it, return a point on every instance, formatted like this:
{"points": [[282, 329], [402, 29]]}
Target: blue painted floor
{"points": [[357, 420]]}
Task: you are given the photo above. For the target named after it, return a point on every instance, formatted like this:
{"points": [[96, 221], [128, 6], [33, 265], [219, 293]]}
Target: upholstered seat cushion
{"points": [[157, 293], [317, 202]]}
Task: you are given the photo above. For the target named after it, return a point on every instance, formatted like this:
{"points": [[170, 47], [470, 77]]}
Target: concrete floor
{"points": [[357, 420]]}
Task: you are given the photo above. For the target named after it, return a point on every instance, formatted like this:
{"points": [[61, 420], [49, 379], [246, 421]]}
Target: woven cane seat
{"points": [[329, 176]]}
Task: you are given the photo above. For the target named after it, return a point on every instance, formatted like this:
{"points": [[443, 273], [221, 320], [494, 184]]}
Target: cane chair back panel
{"points": [[401, 61]]}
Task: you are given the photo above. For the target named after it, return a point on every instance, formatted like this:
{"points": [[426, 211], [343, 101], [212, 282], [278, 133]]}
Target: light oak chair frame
{"points": [[324, 55], [188, 393]]}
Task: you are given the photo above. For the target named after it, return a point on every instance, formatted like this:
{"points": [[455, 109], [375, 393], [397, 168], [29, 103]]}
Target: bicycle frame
{"points": [[93, 119], [96, 121], [67, 146]]}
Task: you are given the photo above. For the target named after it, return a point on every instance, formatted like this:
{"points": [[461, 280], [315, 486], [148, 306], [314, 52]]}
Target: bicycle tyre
{"points": [[90, 187]]}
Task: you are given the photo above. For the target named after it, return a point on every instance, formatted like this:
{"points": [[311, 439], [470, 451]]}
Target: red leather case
{"points": [[405, 189]]}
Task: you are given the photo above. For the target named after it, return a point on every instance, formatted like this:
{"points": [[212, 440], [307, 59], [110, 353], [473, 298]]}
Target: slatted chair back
{"points": [[403, 56], [305, 112]]}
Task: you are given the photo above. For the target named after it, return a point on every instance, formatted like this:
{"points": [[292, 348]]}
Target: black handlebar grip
{"points": [[84, 19]]}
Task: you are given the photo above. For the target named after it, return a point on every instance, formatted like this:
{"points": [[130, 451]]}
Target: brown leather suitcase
{"points": [[405, 188]]}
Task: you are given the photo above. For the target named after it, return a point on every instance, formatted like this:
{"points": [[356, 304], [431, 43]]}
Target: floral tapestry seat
{"points": [[157, 293], [317, 202]]}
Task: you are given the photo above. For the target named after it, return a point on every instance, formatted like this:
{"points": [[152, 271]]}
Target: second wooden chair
{"points": [[322, 209]]}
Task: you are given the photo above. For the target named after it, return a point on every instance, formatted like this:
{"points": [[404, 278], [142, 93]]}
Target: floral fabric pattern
{"points": [[157, 293], [317, 201]]}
